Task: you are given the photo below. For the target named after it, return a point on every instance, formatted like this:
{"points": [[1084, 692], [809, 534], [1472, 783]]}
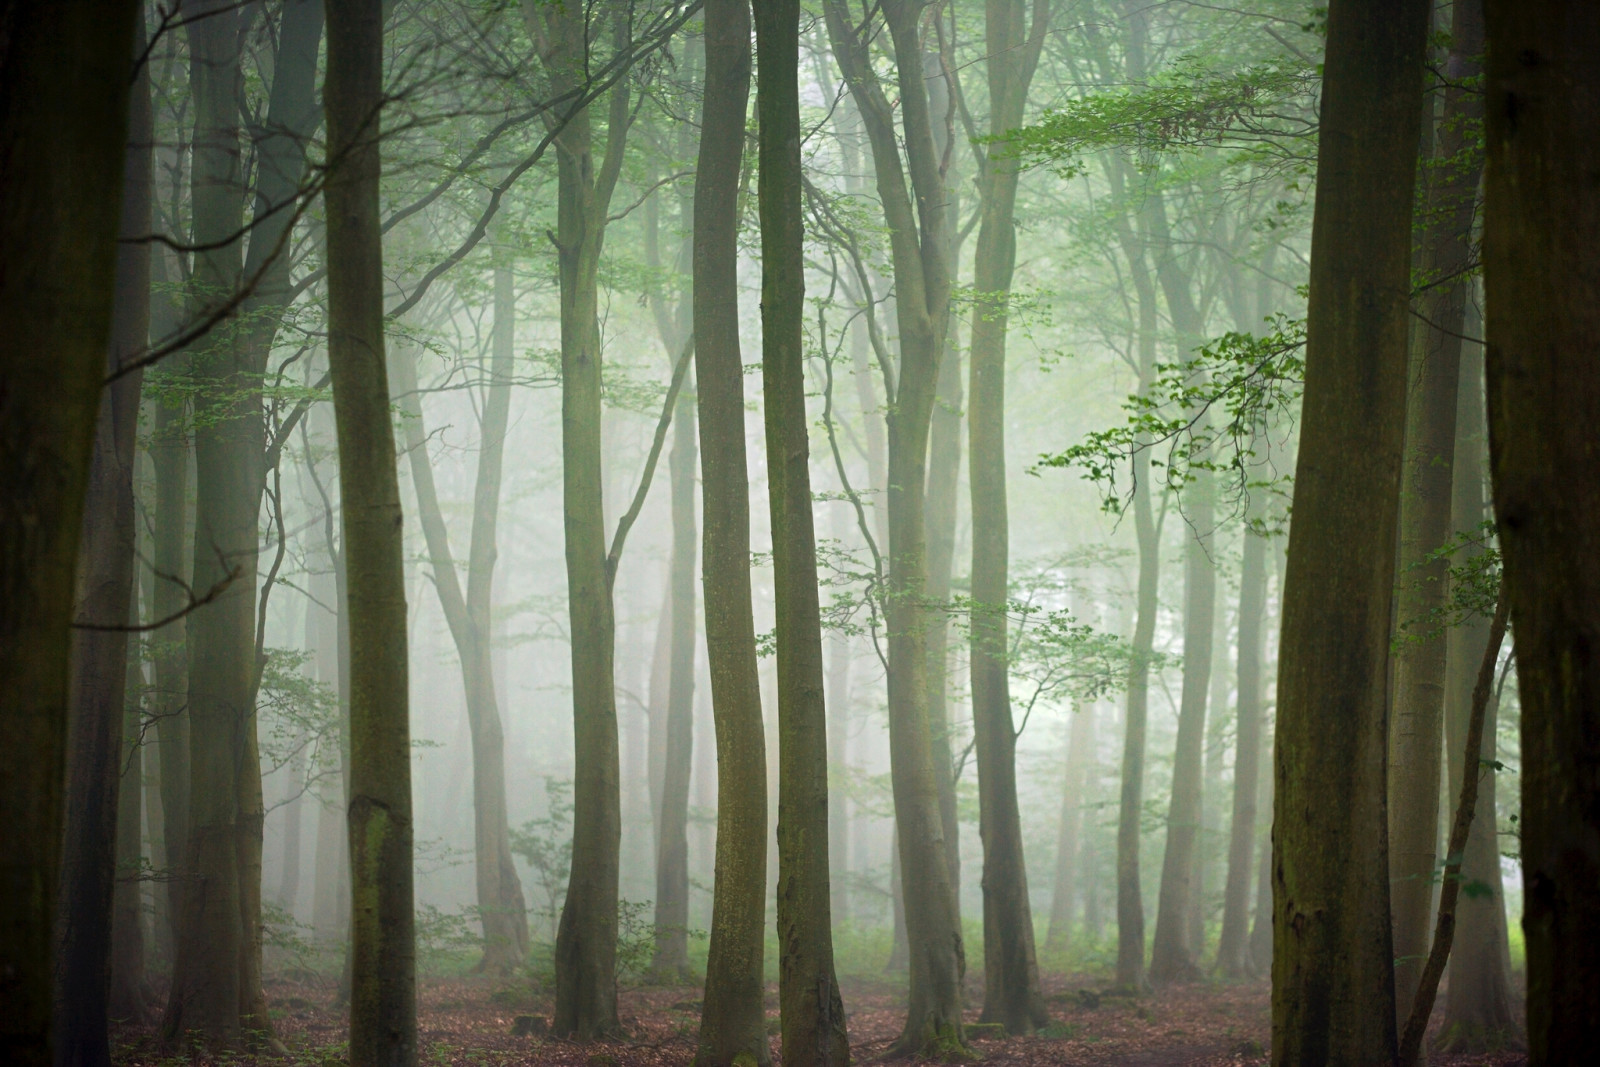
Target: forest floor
{"points": [[475, 1022]]}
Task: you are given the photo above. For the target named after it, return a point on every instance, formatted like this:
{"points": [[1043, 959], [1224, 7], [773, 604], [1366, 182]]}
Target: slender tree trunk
{"points": [[672, 864], [383, 1005], [63, 131], [1478, 1013], [128, 942], [1333, 964], [1233, 956], [1070, 836], [1416, 728], [732, 1023], [813, 1019], [1539, 241], [1173, 955]]}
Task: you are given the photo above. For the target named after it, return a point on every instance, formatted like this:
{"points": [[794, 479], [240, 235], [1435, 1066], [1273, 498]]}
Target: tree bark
{"points": [[1540, 233], [128, 998], [383, 1005], [1416, 728], [63, 131], [813, 1020], [732, 1022], [1333, 964], [1069, 836]]}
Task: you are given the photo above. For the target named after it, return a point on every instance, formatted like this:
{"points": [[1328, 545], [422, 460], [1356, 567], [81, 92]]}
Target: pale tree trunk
{"points": [[1070, 848], [919, 251], [127, 1000], [813, 1020], [732, 1022], [502, 909], [1333, 962], [1540, 239], [383, 999], [1012, 995], [1416, 725], [98, 690], [1478, 1014], [586, 940], [63, 129]]}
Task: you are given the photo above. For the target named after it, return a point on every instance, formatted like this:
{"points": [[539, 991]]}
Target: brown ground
{"points": [[468, 1022]]}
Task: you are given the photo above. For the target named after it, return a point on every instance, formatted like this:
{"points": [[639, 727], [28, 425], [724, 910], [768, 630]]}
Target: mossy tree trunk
{"points": [[1540, 242], [1333, 963]]}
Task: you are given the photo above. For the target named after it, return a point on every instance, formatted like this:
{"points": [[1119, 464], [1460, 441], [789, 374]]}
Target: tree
{"points": [[1539, 249], [808, 992], [383, 995], [64, 84], [917, 221], [1332, 968], [1416, 729], [100, 647], [1011, 971], [732, 1021]]}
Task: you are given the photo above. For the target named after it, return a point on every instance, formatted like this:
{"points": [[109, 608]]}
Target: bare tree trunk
{"points": [[1233, 957], [1333, 963], [127, 999], [1070, 874], [813, 1020], [1416, 728], [732, 1023], [1539, 241]]}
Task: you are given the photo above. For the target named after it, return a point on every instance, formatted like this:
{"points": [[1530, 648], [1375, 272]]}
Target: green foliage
{"points": [[1473, 574], [546, 844], [1209, 412]]}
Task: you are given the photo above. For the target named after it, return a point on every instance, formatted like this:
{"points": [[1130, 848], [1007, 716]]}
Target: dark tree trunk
{"points": [[1540, 240], [813, 1018], [1333, 964], [732, 1023], [383, 1004], [63, 132]]}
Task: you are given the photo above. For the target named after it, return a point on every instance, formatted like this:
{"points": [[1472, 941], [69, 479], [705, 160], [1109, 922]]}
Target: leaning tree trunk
{"points": [[813, 1021], [732, 1022], [1478, 1015], [1540, 240], [63, 127], [100, 654], [1333, 964], [1416, 727]]}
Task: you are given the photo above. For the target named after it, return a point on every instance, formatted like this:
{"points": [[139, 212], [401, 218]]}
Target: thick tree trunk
{"points": [[813, 1020], [1233, 955], [63, 130], [1174, 956], [1478, 1014], [98, 691], [1416, 728], [732, 1023], [383, 1004], [1333, 964], [1541, 232]]}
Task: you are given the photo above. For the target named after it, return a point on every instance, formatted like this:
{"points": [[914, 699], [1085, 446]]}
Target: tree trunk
{"points": [[732, 1023], [383, 1004], [1333, 964], [1233, 955], [1478, 1014], [1416, 728], [1173, 955], [672, 863], [813, 1018], [98, 690], [919, 251], [1539, 241], [128, 943], [1069, 838], [63, 132]]}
